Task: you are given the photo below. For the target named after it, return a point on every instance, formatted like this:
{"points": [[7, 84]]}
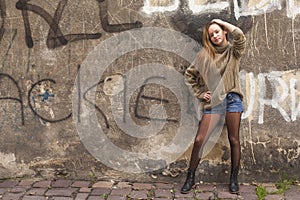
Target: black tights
{"points": [[206, 126]]}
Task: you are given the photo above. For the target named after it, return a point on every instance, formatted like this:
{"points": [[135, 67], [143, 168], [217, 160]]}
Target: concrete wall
{"points": [[94, 89]]}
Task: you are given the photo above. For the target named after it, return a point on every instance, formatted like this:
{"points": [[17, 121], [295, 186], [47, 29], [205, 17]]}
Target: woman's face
{"points": [[217, 35]]}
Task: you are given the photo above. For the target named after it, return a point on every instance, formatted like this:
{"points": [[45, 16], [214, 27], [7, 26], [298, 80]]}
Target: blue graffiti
{"points": [[46, 95]]}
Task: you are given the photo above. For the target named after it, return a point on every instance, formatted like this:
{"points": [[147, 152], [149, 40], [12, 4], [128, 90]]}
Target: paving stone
{"points": [[247, 189], [12, 196], [8, 184], [293, 192], [25, 183], [34, 198], [103, 184], [138, 194], [3, 190], [124, 185], [142, 186], [275, 197], [248, 196], [63, 192], [120, 192], [271, 189], [19, 189], [116, 198], [62, 198], [222, 187], [81, 184], [82, 196], [180, 195], [204, 195], [82, 190], [163, 193], [227, 195], [95, 198], [85, 190], [205, 187], [37, 191], [61, 184], [42, 184], [164, 185], [100, 191]]}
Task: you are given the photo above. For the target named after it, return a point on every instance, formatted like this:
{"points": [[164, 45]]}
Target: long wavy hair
{"points": [[206, 42]]}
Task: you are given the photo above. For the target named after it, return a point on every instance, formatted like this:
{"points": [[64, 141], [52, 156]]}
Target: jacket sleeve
{"points": [[194, 79], [239, 42]]}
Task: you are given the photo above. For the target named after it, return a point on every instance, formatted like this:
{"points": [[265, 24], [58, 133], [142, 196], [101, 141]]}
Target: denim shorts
{"points": [[232, 103]]}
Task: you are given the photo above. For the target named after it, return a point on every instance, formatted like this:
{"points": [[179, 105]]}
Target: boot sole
{"points": [[233, 192], [186, 192]]}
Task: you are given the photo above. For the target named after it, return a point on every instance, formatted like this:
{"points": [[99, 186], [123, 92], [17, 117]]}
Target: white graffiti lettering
{"points": [[241, 8], [293, 8], [283, 95], [197, 7], [151, 6]]}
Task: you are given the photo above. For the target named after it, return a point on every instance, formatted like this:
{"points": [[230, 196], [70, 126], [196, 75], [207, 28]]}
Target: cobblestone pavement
{"points": [[87, 190]]}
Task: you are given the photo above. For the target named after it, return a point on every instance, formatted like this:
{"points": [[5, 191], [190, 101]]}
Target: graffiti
{"points": [[284, 95], [17, 99], [115, 28], [93, 104], [240, 7], [159, 6], [32, 100], [34, 110], [55, 36], [150, 98], [46, 95], [3, 16]]}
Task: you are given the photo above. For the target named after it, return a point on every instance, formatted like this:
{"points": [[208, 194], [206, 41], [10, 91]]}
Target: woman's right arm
{"points": [[194, 79], [239, 39]]}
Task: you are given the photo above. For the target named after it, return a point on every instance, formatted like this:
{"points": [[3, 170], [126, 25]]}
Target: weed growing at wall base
{"points": [[284, 184]]}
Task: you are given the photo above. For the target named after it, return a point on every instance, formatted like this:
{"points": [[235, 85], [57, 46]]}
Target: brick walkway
{"points": [[85, 190]]}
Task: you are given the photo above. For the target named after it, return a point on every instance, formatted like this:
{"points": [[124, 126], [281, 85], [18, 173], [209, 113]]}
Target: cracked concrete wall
{"points": [[48, 47]]}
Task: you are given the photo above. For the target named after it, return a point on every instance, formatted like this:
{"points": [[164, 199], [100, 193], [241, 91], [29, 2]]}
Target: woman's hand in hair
{"points": [[228, 26]]}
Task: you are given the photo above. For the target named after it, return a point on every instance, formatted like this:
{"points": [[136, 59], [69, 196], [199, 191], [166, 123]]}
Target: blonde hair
{"points": [[206, 42]]}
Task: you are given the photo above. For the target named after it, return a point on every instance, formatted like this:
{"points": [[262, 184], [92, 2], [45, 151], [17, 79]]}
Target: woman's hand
{"points": [[228, 26], [207, 96], [218, 21]]}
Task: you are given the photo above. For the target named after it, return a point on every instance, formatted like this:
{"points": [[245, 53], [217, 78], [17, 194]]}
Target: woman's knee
{"points": [[234, 140], [198, 140]]}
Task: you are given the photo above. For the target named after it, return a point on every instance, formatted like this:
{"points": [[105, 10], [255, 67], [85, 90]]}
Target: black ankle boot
{"points": [[234, 185], [189, 182]]}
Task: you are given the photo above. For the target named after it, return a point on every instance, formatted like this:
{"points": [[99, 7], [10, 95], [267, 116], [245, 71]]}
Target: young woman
{"points": [[214, 78]]}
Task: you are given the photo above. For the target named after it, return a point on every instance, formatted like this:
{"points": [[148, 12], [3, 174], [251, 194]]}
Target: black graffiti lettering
{"points": [[19, 99], [55, 36], [141, 96], [93, 104], [34, 111], [3, 17], [114, 28]]}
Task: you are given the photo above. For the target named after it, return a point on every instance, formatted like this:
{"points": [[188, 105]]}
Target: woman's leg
{"points": [[206, 126], [233, 121]]}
